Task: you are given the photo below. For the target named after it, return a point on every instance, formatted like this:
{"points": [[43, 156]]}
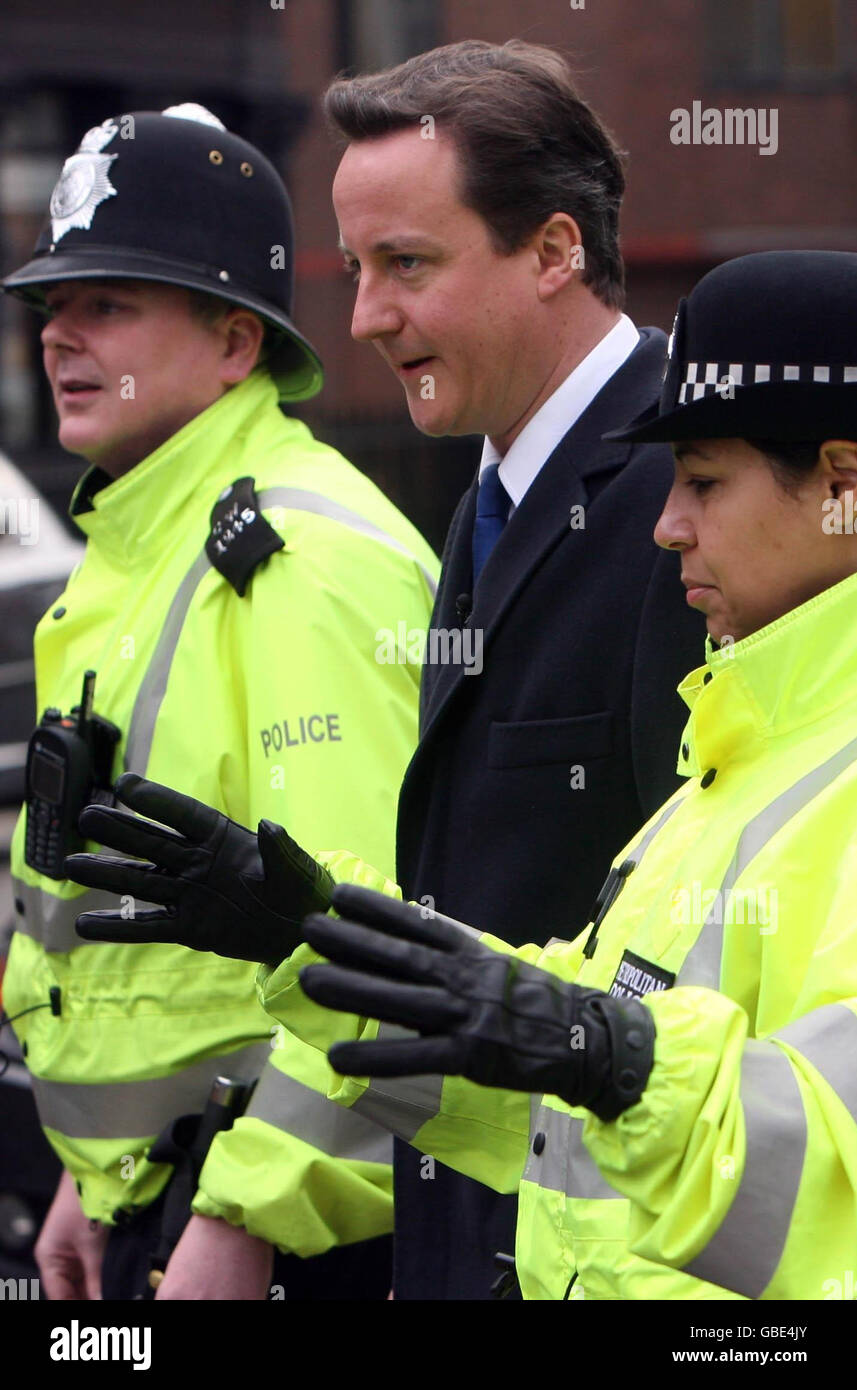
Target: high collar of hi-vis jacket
{"points": [[790, 675], [128, 517]]}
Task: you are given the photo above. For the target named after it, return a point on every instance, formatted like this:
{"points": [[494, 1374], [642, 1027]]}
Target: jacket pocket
{"points": [[532, 742]]}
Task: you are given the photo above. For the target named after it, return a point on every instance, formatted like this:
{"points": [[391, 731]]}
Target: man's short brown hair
{"points": [[529, 145]]}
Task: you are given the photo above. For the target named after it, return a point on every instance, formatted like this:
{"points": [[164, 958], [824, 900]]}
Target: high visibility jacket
{"points": [[271, 704], [734, 918]]}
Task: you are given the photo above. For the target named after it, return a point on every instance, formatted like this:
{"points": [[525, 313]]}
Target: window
{"points": [[380, 33], [31, 156], [776, 41]]}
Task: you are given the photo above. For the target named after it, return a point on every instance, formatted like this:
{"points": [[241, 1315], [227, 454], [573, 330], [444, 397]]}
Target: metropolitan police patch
{"points": [[84, 182], [636, 978]]}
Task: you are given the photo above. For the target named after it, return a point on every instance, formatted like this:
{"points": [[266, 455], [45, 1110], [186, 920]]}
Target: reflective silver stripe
{"points": [[827, 1038], [746, 1248], [139, 1109], [50, 920], [585, 1178], [12, 755], [150, 695], [147, 705], [702, 963], [299, 499], [298, 1110], [639, 850], [403, 1104], [615, 880], [564, 1164], [16, 1074], [16, 673]]}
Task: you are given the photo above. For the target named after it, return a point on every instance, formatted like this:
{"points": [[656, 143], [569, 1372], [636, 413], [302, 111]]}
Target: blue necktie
{"points": [[492, 512]]}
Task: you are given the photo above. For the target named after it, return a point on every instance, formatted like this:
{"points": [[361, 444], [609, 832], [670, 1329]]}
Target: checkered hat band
{"points": [[716, 378]]}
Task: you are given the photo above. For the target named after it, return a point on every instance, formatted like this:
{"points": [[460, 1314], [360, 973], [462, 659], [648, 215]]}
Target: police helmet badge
{"points": [[675, 358], [192, 111], [84, 182]]}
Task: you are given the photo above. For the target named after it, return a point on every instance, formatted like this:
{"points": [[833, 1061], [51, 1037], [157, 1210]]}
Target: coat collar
{"points": [[792, 674], [128, 517]]}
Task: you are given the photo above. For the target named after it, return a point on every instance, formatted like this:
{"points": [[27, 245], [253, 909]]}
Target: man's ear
{"points": [[243, 333], [838, 458], [559, 247]]}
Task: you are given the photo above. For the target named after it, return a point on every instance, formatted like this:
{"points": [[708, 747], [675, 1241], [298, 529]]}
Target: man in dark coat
{"points": [[478, 203]]}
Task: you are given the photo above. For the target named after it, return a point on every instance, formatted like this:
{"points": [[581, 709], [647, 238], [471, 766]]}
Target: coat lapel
{"points": [[455, 579], [543, 519]]}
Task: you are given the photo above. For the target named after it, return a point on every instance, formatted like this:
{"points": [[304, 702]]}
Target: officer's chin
{"points": [[77, 435], [80, 437], [77, 438]]}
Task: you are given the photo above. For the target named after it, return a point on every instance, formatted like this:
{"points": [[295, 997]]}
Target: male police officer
{"points": [[478, 202], [235, 657]]}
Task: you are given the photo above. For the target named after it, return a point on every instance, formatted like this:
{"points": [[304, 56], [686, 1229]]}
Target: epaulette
{"points": [[240, 537]]}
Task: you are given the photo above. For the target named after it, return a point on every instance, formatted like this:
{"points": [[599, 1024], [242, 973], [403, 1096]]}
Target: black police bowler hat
{"points": [[764, 347], [175, 197]]}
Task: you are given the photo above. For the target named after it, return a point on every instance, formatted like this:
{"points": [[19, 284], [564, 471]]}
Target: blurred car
{"points": [[29, 1168], [36, 557]]}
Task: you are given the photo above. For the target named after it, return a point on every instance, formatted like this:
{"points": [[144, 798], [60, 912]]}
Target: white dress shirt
{"points": [[530, 451]]}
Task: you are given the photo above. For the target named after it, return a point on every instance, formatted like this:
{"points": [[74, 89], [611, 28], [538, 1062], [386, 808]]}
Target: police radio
{"points": [[69, 762]]}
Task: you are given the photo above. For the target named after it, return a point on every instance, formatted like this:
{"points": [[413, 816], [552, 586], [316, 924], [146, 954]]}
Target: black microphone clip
{"points": [[464, 607]]}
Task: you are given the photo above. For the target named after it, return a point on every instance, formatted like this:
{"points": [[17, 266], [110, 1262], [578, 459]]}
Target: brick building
{"points": [[782, 68]]}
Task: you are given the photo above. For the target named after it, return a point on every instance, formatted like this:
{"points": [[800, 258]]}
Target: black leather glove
{"points": [[483, 1015], [223, 889]]}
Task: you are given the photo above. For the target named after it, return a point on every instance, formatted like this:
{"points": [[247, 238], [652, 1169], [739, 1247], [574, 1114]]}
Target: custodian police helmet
{"points": [[173, 196]]}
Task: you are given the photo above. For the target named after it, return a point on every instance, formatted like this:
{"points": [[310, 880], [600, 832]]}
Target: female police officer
{"points": [[721, 1111], [692, 1046]]}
